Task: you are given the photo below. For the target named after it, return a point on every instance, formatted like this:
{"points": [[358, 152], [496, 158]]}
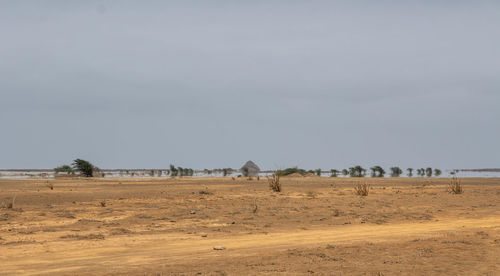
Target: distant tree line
{"points": [[378, 171], [359, 171], [87, 169]]}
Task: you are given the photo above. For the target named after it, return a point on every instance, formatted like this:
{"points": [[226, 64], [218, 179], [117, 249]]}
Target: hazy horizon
{"points": [[316, 84]]}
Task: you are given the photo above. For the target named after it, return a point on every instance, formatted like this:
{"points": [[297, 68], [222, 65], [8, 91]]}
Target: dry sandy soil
{"points": [[315, 226]]}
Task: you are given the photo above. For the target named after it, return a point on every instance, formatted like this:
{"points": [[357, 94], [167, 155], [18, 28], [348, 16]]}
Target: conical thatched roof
{"points": [[251, 165], [253, 169]]}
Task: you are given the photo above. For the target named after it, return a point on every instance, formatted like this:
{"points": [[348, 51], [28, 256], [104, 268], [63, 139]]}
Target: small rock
{"points": [[204, 235], [219, 247], [192, 212]]}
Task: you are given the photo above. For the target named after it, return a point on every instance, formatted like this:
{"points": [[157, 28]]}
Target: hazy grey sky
{"points": [[208, 84]]}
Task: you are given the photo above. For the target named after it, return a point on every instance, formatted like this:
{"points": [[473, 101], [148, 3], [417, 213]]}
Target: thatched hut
{"points": [[250, 169]]}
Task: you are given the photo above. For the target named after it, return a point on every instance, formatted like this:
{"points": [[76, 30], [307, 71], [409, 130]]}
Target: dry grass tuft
{"points": [[362, 189], [103, 203], [50, 185], [455, 186], [311, 194], [9, 205], [84, 237], [205, 192], [274, 182]]}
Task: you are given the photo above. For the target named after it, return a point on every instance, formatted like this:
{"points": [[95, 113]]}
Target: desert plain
{"points": [[315, 226]]}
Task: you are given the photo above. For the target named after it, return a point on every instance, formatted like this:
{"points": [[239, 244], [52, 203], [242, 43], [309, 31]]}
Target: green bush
{"points": [[289, 171], [64, 169]]}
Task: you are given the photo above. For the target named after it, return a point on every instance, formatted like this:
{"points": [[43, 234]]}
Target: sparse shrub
{"points": [[103, 203], [362, 189], [345, 172], [274, 181], [455, 186]]}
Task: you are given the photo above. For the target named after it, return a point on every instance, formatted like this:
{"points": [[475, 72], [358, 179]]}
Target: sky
{"points": [[211, 84]]}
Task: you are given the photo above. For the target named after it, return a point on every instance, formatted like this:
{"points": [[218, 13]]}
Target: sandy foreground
{"points": [[161, 226]]}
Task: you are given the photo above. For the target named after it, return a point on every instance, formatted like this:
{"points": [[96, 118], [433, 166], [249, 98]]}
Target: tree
{"points": [[410, 172], [396, 172], [64, 169], [84, 167], [357, 171], [345, 172], [377, 171], [173, 171], [334, 172], [428, 172], [318, 172], [421, 172], [437, 172]]}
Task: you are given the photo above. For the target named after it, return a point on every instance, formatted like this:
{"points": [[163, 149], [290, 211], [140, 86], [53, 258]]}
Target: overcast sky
{"points": [[209, 84]]}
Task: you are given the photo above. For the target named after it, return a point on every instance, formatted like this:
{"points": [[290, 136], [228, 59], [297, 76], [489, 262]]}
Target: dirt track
{"points": [[316, 226]]}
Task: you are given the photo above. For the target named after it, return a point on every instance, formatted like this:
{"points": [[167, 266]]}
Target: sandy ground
{"points": [[318, 226]]}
